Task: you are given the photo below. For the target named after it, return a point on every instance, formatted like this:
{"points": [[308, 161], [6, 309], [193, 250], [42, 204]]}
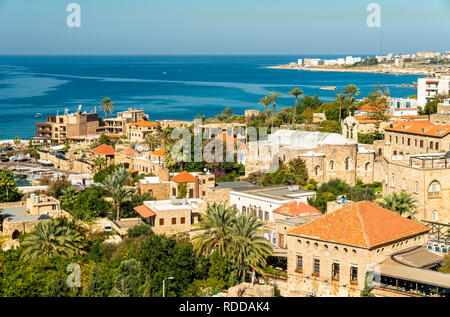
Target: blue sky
{"points": [[223, 27]]}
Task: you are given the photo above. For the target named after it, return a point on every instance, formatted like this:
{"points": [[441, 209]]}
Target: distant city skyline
{"points": [[203, 27]]}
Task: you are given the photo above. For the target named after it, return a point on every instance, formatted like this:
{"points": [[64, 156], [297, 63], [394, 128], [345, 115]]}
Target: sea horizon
{"points": [[177, 86]]}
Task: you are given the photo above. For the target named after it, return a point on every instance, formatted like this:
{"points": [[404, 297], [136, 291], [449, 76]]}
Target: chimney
{"points": [[164, 175], [197, 188]]}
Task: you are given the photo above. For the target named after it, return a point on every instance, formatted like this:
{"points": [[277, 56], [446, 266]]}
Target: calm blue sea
{"points": [[166, 87]]}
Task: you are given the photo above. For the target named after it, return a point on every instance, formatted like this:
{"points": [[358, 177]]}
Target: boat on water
{"points": [[328, 88], [38, 115]]}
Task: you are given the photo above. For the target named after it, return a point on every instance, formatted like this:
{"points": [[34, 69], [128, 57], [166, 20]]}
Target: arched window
{"points": [[393, 180], [367, 167], [317, 170], [434, 190], [416, 187], [331, 166], [260, 214], [244, 210], [347, 163], [434, 215]]}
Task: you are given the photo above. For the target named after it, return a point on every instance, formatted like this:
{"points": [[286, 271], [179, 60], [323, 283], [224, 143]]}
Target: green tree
{"points": [[217, 225], [341, 101], [129, 280], [403, 204], [8, 188], [107, 105], [17, 141], [152, 141], [49, 238], [114, 186], [182, 190], [249, 249], [351, 91], [273, 96], [296, 92], [265, 102]]}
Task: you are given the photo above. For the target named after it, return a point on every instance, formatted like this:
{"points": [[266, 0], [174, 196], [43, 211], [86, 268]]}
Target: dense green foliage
{"points": [[8, 188], [294, 173], [87, 204]]}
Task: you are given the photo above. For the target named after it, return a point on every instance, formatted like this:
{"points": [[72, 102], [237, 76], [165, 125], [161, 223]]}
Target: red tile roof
{"points": [[128, 151], [183, 177], [159, 152], [104, 150], [421, 127], [363, 224], [298, 209], [144, 211], [146, 124], [371, 108]]}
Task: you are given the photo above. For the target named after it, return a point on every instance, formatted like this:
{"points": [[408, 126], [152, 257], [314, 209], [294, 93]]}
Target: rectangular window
{"points": [[415, 142], [174, 221], [316, 267], [183, 220], [437, 146], [409, 141], [299, 263], [266, 215], [335, 267], [191, 193], [174, 192], [421, 143], [161, 222], [353, 274], [150, 193], [396, 139]]}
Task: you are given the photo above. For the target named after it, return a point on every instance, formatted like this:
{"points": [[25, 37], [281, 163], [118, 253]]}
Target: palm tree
{"points": [[218, 228], [107, 105], [99, 161], [351, 90], [265, 102], [114, 186], [341, 100], [274, 95], [402, 204], [49, 238], [249, 248], [152, 141], [296, 92], [17, 141]]}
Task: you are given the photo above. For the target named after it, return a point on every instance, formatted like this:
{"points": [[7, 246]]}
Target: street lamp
{"points": [[164, 285]]}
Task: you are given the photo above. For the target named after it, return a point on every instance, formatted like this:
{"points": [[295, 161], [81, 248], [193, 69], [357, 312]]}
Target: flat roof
{"points": [[237, 185], [278, 192], [419, 275], [164, 205], [19, 214]]}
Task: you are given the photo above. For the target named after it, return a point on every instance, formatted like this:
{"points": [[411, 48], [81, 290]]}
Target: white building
{"points": [[427, 88], [261, 201], [402, 106]]}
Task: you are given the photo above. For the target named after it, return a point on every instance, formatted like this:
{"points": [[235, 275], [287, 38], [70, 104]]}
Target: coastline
{"points": [[355, 70]]}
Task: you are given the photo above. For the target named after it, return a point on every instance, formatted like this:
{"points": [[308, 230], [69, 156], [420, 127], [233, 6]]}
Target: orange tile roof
{"points": [[183, 177], [128, 151], [298, 209], [370, 108], [104, 149], [145, 124], [144, 211], [421, 127], [363, 224], [159, 152]]}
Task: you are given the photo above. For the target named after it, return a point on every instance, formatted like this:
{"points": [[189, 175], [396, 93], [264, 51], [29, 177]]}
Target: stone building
{"points": [[403, 138], [172, 217], [426, 178], [220, 194], [198, 185], [327, 155], [105, 151], [150, 162], [157, 187], [77, 125], [260, 202], [119, 125], [138, 131], [331, 255], [125, 158]]}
